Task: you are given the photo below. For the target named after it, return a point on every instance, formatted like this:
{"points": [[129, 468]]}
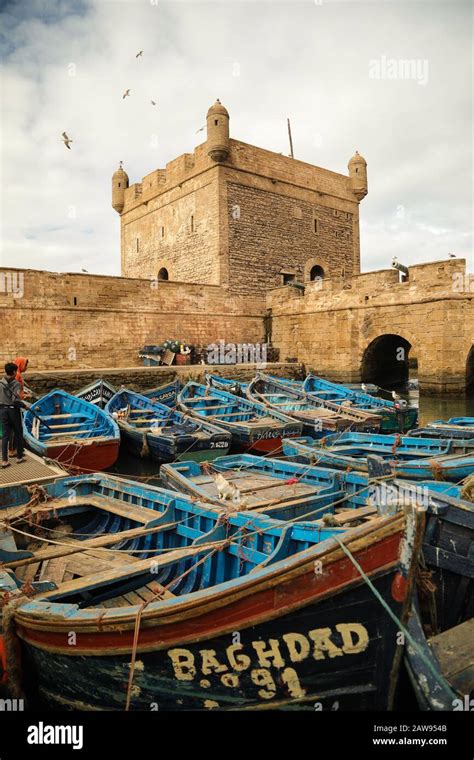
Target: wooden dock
{"points": [[33, 470]]}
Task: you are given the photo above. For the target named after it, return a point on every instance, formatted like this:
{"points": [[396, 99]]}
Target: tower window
{"points": [[138, 244], [216, 122], [163, 274], [316, 273], [162, 232], [315, 222], [119, 184], [192, 223], [75, 301], [287, 278]]}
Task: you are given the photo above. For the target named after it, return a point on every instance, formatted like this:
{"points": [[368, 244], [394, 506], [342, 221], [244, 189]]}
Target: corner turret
{"points": [[119, 185], [358, 173], [218, 145]]}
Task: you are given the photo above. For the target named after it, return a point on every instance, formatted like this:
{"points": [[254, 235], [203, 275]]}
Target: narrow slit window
{"points": [[75, 300], [192, 224], [162, 232], [315, 223], [138, 244]]}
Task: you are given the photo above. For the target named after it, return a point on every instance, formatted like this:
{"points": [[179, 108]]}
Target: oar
{"points": [[31, 410]]}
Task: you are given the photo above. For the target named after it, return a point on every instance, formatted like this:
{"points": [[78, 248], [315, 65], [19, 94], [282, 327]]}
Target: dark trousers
{"points": [[11, 421]]}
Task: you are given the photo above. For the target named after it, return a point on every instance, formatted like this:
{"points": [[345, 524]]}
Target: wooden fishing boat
{"points": [[395, 418], [164, 394], [441, 667], [294, 490], [316, 416], [439, 656], [283, 490], [99, 392], [454, 423], [230, 385], [253, 426], [71, 431], [158, 432], [444, 432], [157, 626], [413, 458]]}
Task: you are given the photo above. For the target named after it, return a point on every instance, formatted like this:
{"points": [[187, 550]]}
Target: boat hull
{"points": [[160, 449], [80, 458], [310, 641]]}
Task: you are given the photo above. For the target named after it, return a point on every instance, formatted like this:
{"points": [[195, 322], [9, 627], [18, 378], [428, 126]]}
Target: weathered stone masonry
{"points": [[227, 225]]}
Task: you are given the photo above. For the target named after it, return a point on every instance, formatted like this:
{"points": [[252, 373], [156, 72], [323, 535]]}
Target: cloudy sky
{"points": [[335, 68]]}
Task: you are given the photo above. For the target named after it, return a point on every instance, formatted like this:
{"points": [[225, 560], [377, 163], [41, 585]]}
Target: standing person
{"points": [[10, 414], [22, 366]]}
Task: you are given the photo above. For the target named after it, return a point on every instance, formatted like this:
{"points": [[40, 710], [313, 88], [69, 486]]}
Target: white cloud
{"points": [[303, 60]]}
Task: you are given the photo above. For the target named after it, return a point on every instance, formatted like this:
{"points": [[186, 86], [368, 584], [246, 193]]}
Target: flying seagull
{"points": [[153, 102], [140, 52], [452, 255], [126, 94], [201, 129], [84, 270], [66, 140]]}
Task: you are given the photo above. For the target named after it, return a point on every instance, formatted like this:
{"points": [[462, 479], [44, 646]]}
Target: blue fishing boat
{"points": [[413, 458], [98, 392], [158, 432], [397, 417], [153, 612], [230, 385], [69, 430], [276, 488], [164, 394], [454, 423], [316, 416], [444, 432], [252, 425]]}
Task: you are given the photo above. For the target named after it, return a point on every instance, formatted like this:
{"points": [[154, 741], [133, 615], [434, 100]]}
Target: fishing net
{"points": [[467, 490]]}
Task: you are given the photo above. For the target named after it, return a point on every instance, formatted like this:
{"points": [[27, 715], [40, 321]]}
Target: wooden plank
{"points": [[128, 570], [114, 506], [353, 514], [80, 546], [56, 569], [455, 653], [157, 588], [63, 416]]}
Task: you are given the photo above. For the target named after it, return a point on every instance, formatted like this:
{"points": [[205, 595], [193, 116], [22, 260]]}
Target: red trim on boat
{"points": [[239, 614]]}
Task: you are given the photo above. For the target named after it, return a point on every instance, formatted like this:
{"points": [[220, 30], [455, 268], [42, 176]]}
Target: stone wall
{"points": [[275, 232], [80, 321], [241, 222], [173, 224], [145, 378], [330, 328]]}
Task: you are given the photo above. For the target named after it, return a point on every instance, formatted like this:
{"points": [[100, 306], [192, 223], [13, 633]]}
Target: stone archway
{"points": [[385, 361], [470, 373]]}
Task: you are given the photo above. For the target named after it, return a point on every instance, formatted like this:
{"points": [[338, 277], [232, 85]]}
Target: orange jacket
{"points": [[22, 364]]}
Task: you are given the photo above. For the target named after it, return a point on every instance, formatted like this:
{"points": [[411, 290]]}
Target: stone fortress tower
{"points": [[239, 216]]}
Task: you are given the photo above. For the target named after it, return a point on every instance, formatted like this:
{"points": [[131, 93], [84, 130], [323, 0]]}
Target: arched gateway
{"points": [[385, 361]]}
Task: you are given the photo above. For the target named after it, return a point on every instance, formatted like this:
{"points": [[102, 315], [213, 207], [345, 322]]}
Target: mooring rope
{"points": [[395, 619]]}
